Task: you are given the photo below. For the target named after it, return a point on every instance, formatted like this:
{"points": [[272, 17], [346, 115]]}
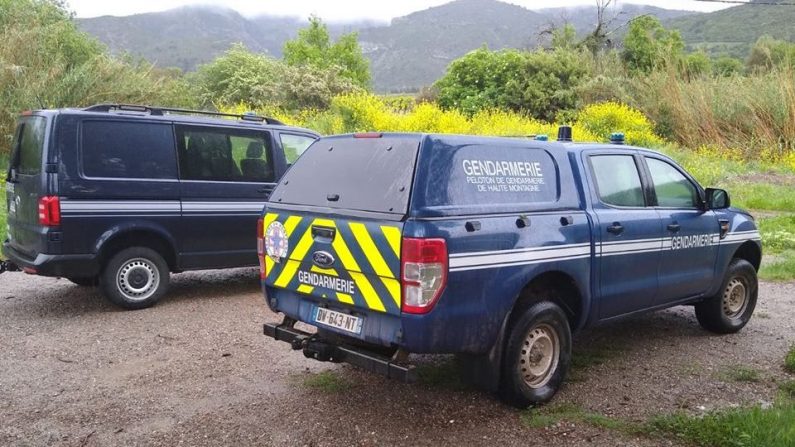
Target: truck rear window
{"points": [[26, 159], [366, 174]]}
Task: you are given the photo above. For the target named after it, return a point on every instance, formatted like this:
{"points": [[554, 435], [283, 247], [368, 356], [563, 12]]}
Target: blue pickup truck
{"points": [[495, 249]]}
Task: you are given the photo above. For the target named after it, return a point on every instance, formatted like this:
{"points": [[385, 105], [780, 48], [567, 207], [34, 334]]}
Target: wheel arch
{"points": [[137, 235], [558, 287], [751, 252]]}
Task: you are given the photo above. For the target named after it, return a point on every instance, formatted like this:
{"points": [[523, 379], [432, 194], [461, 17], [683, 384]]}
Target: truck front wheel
{"points": [[731, 309], [537, 356]]}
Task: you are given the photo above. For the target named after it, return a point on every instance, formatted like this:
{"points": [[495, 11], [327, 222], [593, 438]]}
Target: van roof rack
{"points": [[159, 111]]}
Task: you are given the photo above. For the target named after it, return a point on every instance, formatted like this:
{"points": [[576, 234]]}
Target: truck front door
{"points": [[627, 233], [690, 234]]}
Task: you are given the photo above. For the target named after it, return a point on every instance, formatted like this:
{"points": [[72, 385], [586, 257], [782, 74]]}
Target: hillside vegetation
{"points": [[413, 51]]}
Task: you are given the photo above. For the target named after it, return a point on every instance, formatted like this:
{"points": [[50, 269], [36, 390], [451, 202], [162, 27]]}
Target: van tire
{"points": [[541, 335], [135, 278], [83, 281], [732, 307]]}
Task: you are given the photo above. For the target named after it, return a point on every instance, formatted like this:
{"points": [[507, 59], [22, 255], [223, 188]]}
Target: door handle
{"points": [[616, 228], [264, 189], [674, 227]]}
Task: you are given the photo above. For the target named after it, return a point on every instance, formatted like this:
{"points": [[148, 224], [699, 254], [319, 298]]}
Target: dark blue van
{"points": [[495, 249], [120, 195]]}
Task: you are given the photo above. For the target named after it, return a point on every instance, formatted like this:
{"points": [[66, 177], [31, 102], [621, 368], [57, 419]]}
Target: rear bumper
{"points": [[315, 347], [53, 265]]}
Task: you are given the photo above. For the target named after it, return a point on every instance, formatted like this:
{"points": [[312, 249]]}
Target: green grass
{"points": [[788, 388], [740, 373], [781, 269], [778, 233], [740, 427], [789, 360], [762, 196], [328, 382], [550, 415]]}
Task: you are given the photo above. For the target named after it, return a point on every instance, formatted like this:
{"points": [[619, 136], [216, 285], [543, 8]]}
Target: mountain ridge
{"points": [[414, 50]]}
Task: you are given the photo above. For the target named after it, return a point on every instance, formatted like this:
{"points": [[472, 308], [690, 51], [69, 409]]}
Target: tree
{"points": [[727, 66], [539, 83], [46, 61], [768, 53], [565, 38], [261, 82], [313, 48], [649, 46], [696, 64]]}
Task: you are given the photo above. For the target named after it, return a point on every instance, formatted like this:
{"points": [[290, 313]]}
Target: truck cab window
{"points": [[618, 180], [673, 189]]}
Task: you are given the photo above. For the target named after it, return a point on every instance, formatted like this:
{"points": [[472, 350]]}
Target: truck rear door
{"points": [[27, 185], [332, 229]]}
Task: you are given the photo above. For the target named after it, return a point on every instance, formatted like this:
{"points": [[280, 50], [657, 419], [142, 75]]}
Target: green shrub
{"points": [[789, 361], [537, 83]]}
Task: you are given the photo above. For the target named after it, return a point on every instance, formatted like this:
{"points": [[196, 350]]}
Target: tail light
{"points": [[423, 273], [261, 247], [50, 211]]}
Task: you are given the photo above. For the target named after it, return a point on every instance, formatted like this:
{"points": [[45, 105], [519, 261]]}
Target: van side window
{"points": [[294, 145], [117, 149], [224, 155], [673, 189], [618, 180]]}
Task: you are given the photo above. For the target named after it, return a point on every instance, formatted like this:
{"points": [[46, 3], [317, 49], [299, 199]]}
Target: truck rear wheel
{"points": [[537, 356], [135, 278], [731, 309]]}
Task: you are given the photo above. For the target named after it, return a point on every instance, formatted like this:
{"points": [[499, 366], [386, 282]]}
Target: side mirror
{"points": [[717, 199]]}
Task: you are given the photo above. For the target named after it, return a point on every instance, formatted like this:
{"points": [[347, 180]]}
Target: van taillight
{"points": [[261, 247], [423, 272], [50, 211]]}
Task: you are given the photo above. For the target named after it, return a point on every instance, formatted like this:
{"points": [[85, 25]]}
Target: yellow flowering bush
{"points": [[604, 118], [360, 112]]}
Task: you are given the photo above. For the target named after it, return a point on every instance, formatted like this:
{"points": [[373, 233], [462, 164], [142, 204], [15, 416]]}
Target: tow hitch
{"points": [[317, 348], [6, 266]]}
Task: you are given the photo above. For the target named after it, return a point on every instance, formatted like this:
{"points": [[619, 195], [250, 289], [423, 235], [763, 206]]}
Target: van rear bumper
{"points": [[78, 266], [314, 346]]}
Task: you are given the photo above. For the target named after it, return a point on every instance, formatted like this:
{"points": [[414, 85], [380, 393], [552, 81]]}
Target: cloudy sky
{"points": [[333, 10]]}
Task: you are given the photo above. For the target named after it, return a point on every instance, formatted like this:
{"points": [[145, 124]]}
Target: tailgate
{"points": [[26, 184], [355, 262]]}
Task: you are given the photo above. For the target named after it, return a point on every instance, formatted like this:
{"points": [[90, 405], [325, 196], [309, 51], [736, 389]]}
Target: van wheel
{"points": [[537, 356], [731, 309], [135, 278], [91, 281]]}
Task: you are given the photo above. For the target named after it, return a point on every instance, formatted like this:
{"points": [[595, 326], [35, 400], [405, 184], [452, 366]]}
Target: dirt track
{"points": [[195, 370]]}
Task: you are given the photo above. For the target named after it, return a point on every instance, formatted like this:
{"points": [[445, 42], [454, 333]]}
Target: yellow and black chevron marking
{"points": [[367, 254]]}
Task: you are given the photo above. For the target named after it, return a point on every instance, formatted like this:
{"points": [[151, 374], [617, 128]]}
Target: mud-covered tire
{"points": [[135, 278], [732, 307], [537, 356], [91, 281]]}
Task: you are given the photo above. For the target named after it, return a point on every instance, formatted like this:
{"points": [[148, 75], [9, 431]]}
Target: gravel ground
{"points": [[195, 370]]}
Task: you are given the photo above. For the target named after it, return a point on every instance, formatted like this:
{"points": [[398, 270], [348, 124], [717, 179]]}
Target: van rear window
{"points": [[365, 174], [30, 145]]}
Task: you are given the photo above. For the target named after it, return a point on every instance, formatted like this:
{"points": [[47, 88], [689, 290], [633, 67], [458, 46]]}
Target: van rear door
{"points": [[332, 228], [26, 185]]}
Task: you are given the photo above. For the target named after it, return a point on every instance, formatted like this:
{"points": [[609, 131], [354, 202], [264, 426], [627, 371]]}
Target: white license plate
{"points": [[339, 320]]}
